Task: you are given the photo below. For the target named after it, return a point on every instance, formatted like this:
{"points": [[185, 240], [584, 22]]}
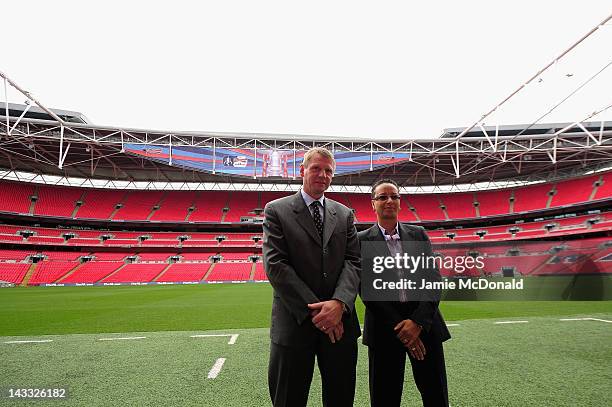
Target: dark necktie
{"points": [[316, 216]]}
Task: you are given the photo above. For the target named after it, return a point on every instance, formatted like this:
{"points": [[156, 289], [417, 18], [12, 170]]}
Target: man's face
{"points": [[386, 208], [317, 176]]}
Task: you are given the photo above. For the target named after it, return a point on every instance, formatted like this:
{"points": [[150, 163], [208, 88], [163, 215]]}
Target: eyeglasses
{"points": [[383, 198]]}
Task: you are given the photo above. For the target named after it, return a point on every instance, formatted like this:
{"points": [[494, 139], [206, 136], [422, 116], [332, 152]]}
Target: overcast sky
{"points": [[379, 69]]}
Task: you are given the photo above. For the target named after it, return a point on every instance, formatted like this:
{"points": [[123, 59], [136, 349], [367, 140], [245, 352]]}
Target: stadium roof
{"points": [[485, 154]]}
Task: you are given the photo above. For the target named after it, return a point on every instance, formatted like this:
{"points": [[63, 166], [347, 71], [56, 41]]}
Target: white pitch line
{"points": [[600, 320], [32, 341], [511, 322], [585, 319], [214, 371], [129, 338], [231, 341], [452, 324]]}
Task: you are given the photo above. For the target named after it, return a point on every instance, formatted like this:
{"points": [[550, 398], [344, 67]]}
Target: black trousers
{"points": [[386, 370], [291, 368]]}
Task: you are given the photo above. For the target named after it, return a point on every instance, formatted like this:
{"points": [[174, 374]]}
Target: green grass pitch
{"points": [[544, 362]]}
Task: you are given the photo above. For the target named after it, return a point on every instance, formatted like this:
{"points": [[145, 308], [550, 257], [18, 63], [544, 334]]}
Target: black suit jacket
{"points": [[303, 268], [382, 316]]}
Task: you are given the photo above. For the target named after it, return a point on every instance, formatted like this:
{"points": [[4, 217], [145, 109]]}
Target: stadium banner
{"points": [[259, 163]]}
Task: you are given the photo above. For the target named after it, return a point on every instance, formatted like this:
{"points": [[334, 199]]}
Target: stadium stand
{"points": [[99, 203], [54, 201], [184, 272], [16, 197], [50, 271], [236, 255], [260, 273], [195, 256], [175, 207], [230, 272], [109, 256], [144, 264], [16, 255], [135, 273], [13, 272], [90, 272], [531, 198], [155, 256], [241, 204], [138, 205], [427, 206], [11, 238], [160, 243], [208, 206], [58, 256], [459, 205], [604, 191], [46, 240], [493, 203], [572, 191]]}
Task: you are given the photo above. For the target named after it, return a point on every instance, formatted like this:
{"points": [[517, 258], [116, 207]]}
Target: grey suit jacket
{"points": [[304, 269], [382, 316]]}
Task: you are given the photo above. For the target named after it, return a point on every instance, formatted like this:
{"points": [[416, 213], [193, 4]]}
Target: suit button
{"points": [[325, 251], [324, 275]]}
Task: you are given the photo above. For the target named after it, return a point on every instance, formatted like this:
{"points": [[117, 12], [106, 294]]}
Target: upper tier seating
{"points": [[100, 203], [175, 206], [16, 197], [138, 205], [54, 201], [208, 206], [531, 198], [571, 191], [241, 204]]}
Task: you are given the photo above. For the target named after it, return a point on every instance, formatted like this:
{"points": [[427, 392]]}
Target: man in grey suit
{"points": [[402, 325], [312, 259]]}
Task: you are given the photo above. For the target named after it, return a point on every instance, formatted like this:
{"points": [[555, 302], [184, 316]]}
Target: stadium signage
{"points": [[260, 162]]}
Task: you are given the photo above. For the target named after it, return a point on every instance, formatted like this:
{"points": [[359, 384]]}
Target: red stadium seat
{"points": [[231, 272]]}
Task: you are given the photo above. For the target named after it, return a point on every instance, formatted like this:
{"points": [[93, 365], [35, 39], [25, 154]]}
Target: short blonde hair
{"points": [[318, 150]]}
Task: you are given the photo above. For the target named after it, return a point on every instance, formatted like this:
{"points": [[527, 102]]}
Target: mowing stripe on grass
{"points": [[128, 338], [231, 341], [214, 371], [39, 341], [510, 322]]}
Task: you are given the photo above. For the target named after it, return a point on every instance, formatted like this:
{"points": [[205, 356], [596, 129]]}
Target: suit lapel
{"points": [[375, 235], [329, 223], [407, 238], [304, 217]]}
